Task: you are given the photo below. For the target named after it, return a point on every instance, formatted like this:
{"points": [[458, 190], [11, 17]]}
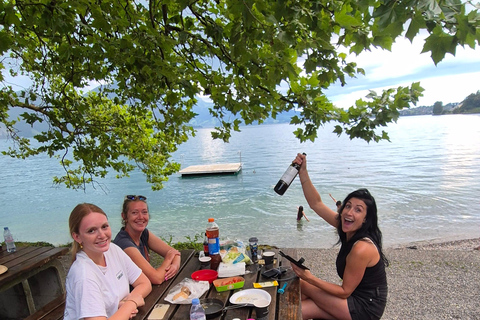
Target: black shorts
{"points": [[367, 304]]}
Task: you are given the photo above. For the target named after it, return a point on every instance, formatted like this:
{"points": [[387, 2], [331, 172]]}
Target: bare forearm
{"points": [[331, 288], [311, 194], [315, 200]]}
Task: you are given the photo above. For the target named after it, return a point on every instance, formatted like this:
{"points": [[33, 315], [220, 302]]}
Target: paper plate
{"points": [[250, 296], [3, 269]]}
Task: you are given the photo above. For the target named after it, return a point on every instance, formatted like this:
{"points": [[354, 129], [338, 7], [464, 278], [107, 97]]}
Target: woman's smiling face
{"points": [[137, 215], [353, 216], [94, 233]]}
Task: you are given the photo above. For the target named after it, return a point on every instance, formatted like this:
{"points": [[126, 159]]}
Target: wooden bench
{"points": [[33, 281], [51, 311]]}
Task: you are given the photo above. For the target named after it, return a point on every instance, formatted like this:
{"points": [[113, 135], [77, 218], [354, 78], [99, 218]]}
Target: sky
{"points": [[452, 80]]}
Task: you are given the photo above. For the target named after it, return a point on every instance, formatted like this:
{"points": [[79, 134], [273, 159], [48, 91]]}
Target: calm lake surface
{"points": [[426, 182]]}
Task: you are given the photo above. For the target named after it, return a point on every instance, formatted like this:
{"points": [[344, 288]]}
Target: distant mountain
{"points": [[205, 119]]}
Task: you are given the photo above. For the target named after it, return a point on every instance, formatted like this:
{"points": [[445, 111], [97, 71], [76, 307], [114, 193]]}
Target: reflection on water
{"points": [[426, 183]]}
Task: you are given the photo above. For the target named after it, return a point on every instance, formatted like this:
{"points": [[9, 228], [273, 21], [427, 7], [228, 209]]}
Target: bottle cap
{"points": [[253, 239], [211, 219], [195, 301]]}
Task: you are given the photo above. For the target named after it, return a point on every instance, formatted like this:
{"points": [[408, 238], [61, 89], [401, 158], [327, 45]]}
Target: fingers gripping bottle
{"points": [[213, 243]]}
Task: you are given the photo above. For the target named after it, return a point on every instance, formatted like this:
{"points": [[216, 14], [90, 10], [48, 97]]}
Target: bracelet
{"points": [[136, 305]]}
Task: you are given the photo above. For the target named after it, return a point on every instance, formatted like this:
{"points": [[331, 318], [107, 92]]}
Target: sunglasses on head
{"points": [[133, 197]]}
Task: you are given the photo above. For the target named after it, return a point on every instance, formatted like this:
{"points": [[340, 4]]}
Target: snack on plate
{"points": [[186, 290], [183, 294]]}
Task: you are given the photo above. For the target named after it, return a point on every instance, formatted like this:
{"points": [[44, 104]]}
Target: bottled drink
{"points": [[7, 235], [205, 245], [213, 243], [253, 242], [287, 178], [196, 310], [213, 237]]}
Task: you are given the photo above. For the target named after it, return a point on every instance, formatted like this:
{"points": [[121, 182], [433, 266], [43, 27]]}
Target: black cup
{"points": [[261, 310], [268, 257]]}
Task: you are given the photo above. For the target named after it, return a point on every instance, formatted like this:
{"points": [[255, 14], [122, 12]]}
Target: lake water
{"points": [[426, 182]]}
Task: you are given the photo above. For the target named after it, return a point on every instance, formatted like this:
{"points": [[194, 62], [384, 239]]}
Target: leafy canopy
{"points": [[254, 58]]}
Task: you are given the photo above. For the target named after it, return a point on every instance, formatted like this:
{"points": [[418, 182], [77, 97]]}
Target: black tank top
{"points": [[373, 277]]}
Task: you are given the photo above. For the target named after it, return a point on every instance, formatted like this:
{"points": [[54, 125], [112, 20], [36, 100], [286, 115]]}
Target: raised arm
{"points": [[311, 194]]}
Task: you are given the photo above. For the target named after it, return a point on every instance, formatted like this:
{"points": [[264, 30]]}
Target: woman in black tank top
{"points": [[360, 261]]}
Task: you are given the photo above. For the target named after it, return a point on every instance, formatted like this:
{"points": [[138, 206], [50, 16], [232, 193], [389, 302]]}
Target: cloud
{"points": [[452, 80]]}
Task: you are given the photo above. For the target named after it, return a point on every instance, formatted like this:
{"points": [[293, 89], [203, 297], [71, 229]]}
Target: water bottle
{"points": [[213, 243], [7, 235], [196, 310], [287, 178]]}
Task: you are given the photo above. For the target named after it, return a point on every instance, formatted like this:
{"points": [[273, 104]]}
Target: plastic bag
{"points": [[186, 290], [235, 253]]}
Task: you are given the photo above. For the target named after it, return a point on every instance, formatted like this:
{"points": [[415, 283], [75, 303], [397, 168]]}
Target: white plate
{"points": [[250, 296]]}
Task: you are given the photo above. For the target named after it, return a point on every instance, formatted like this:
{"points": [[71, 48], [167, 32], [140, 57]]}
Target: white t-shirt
{"points": [[95, 291]]}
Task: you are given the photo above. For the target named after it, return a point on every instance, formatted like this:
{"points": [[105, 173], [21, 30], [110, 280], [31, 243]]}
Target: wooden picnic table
{"points": [[34, 278], [285, 306]]}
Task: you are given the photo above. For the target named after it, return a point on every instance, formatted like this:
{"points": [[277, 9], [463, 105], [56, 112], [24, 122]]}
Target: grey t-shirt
{"points": [[123, 240]]}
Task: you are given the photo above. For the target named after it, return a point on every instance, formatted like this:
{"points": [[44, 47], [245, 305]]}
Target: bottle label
{"points": [[289, 175], [213, 246]]}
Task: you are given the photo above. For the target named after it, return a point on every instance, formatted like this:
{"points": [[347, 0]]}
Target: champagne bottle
{"points": [[287, 178]]}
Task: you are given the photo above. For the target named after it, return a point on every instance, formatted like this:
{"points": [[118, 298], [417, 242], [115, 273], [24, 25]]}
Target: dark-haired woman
{"points": [[360, 261], [137, 241], [301, 214]]}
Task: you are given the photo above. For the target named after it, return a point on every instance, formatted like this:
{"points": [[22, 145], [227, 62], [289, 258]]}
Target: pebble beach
{"points": [[426, 280]]}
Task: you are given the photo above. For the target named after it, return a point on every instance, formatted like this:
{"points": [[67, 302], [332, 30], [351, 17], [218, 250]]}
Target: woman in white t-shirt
{"points": [[98, 282]]}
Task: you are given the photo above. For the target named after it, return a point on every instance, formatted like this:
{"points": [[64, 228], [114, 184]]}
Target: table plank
{"points": [[26, 260], [282, 307], [291, 297], [161, 290]]}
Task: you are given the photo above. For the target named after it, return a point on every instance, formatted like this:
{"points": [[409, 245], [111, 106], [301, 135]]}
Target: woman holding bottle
{"points": [[360, 261], [99, 279], [137, 241]]}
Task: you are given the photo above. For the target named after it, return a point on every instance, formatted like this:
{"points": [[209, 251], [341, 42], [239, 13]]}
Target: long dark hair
{"points": [[369, 228], [300, 213]]}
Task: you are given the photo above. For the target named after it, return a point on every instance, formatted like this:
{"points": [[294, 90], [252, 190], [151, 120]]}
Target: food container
{"points": [[205, 275], [229, 283]]}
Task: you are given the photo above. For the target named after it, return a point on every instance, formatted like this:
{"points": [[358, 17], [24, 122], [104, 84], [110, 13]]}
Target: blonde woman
{"points": [[98, 282], [137, 241]]}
